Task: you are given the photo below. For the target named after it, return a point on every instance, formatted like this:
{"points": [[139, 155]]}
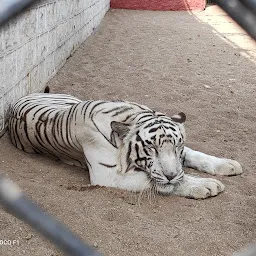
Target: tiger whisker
{"points": [[144, 189], [153, 191], [150, 194]]}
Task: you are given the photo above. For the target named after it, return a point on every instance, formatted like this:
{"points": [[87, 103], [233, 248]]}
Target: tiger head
{"points": [[153, 146]]}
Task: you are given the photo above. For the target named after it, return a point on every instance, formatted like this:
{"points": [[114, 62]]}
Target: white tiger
{"points": [[122, 144]]}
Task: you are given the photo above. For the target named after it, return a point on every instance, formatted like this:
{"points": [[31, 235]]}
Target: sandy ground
{"points": [[201, 64]]}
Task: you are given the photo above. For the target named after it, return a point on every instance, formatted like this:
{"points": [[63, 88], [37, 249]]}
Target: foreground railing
{"points": [[11, 196], [15, 202]]}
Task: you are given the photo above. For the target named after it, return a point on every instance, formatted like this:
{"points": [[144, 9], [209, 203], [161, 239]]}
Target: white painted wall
{"points": [[36, 44]]}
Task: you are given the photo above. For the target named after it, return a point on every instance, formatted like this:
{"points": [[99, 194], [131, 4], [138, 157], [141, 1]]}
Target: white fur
{"points": [[94, 144], [211, 164], [190, 186]]}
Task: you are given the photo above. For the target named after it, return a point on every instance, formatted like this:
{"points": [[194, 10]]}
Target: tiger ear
{"points": [[179, 118], [121, 129]]}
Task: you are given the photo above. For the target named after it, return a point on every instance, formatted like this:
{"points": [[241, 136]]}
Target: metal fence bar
{"points": [[251, 4], [11, 197], [15, 202], [9, 8], [242, 13]]}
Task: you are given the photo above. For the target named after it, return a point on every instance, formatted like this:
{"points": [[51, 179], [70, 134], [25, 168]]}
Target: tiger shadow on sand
{"points": [[122, 144]]}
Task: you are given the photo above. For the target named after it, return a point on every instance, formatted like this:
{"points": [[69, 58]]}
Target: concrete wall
{"points": [[159, 5], [36, 44]]}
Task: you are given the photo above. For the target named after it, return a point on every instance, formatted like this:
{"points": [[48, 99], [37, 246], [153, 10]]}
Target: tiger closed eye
{"points": [[151, 146], [152, 149]]}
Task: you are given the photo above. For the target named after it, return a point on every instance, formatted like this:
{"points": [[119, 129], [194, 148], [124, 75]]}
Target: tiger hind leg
{"points": [[210, 164]]}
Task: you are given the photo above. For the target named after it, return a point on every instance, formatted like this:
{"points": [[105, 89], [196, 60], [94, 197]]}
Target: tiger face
{"points": [[154, 147]]}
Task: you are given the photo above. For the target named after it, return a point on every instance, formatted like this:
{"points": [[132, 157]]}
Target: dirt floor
{"points": [[198, 63]]}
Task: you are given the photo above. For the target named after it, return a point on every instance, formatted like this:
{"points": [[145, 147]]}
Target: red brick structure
{"points": [[159, 5]]}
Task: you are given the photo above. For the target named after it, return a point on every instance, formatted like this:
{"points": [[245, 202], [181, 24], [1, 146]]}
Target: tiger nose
{"points": [[169, 177]]}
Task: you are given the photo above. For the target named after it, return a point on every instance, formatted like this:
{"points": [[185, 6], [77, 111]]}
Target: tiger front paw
{"points": [[228, 167], [199, 188]]}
